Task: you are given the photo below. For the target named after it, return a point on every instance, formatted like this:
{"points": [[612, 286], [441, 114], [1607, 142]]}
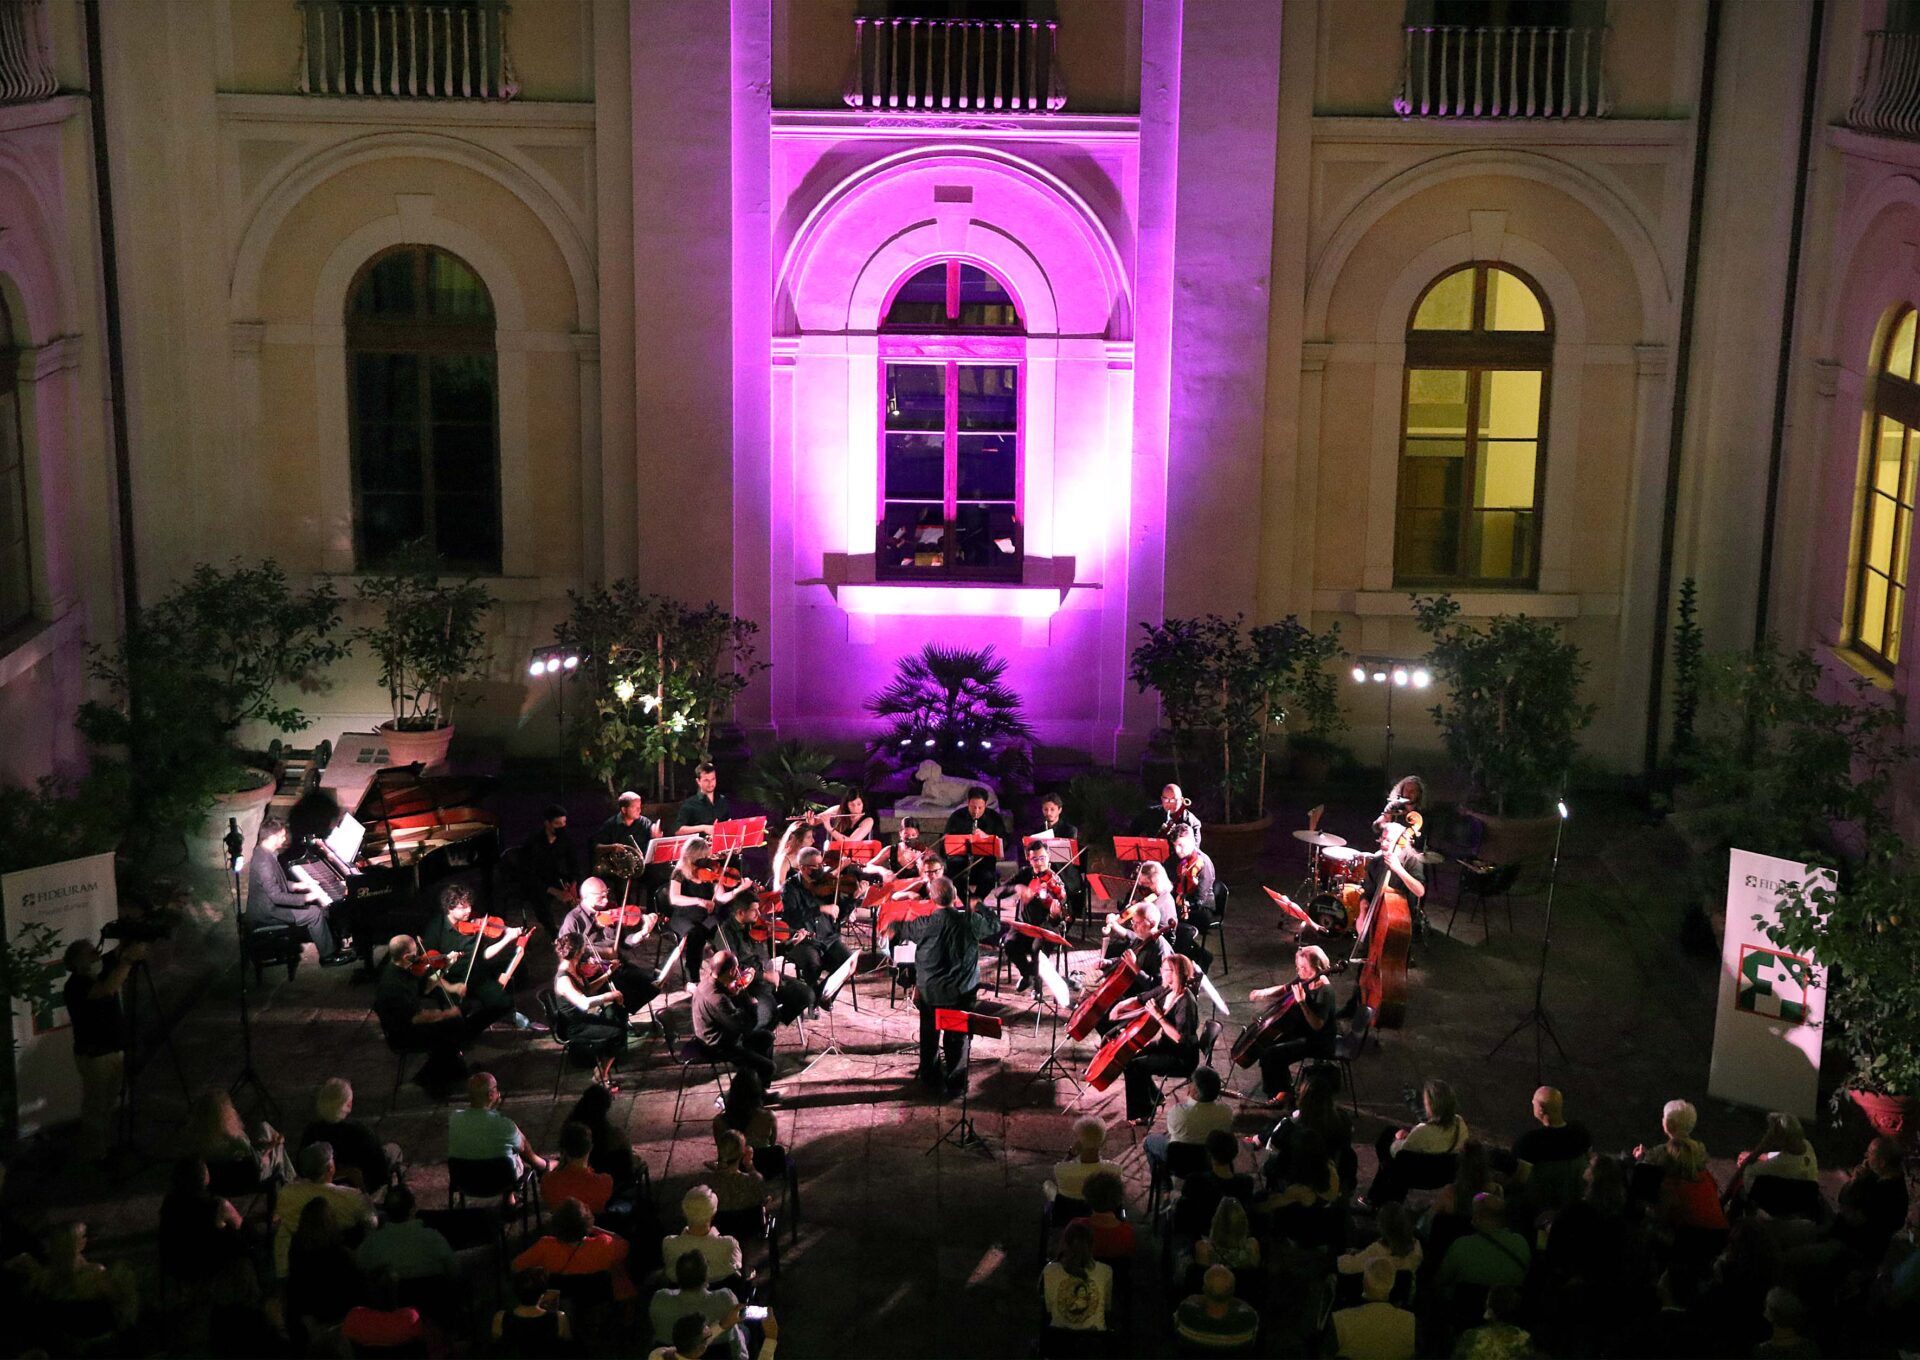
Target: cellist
{"points": [[1175, 1050], [1310, 1029]]}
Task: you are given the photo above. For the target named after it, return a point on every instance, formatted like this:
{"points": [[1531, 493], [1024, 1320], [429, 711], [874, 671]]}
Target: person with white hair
{"points": [[698, 1206], [1089, 1140], [363, 1160], [1677, 1120]]}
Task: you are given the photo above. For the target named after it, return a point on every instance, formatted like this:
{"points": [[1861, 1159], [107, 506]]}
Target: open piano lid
{"points": [[408, 813]]}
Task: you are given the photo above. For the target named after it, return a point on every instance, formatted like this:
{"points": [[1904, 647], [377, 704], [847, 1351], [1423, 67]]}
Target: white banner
{"points": [[75, 898], [1767, 1026]]}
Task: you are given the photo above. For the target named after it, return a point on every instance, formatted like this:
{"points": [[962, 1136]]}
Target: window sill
{"points": [[950, 599], [1473, 603], [30, 643], [1862, 667]]}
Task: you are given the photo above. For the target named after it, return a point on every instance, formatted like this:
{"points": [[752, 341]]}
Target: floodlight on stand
{"points": [[1561, 807], [1359, 675], [571, 662], [1379, 677], [1399, 675], [1422, 677]]}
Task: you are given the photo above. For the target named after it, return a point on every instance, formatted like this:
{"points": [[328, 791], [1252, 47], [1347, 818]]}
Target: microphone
{"points": [[235, 842]]}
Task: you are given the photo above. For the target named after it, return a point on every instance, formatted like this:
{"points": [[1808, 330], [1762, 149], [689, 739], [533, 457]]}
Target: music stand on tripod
{"points": [[830, 989], [1054, 991], [961, 1133], [975, 850], [235, 845]]}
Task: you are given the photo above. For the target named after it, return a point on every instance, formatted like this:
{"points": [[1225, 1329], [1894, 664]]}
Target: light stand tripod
{"points": [[1538, 1018], [235, 845], [133, 1063]]}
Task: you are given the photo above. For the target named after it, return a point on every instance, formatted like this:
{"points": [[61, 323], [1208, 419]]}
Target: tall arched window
{"points": [[16, 561], [423, 410], [1479, 355], [1886, 498], [951, 348]]}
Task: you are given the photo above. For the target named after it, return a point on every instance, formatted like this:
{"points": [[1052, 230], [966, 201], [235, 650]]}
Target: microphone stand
{"points": [[235, 845], [1538, 1017]]}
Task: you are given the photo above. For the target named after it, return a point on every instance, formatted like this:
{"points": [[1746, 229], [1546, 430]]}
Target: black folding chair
{"points": [[1348, 1045]]}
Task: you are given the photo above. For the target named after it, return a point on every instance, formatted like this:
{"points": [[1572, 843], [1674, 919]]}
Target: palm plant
{"points": [[787, 776], [952, 705]]}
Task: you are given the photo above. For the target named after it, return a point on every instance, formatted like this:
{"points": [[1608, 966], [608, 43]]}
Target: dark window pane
{"points": [[463, 459], [984, 304], [454, 292], [922, 300], [916, 468], [985, 536], [461, 386], [387, 289], [989, 397], [387, 523], [1429, 543], [916, 397], [1432, 482], [912, 536], [1504, 550], [386, 386], [989, 469], [467, 529], [389, 458]]}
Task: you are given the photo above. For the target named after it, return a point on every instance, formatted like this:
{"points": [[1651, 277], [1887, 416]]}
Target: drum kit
{"points": [[1335, 885]]}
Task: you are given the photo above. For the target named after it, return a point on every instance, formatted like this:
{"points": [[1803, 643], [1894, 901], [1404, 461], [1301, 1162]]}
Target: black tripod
{"points": [[1538, 1018], [249, 1079], [139, 981]]}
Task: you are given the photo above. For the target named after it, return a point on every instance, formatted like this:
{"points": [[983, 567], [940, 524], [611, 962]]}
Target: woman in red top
{"points": [[576, 1247], [1113, 1238], [1689, 1197]]}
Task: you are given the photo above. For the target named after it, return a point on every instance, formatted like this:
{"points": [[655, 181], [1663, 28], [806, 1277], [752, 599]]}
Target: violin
{"points": [[718, 873], [428, 963], [635, 915], [487, 927]]}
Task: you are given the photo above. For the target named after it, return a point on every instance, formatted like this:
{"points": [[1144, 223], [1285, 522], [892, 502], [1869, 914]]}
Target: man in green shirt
{"points": [[1490, 1255]]}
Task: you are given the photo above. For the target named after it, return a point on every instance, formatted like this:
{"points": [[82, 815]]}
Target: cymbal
{"points": [[1432, 857], [1326, 840]]}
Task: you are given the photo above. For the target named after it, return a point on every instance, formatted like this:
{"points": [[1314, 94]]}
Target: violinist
{"points": [[728, 1022], [484, 955], [749, 937], [595, 1010], [814, 947], [1039, 898], [1308, 1030], [604, 932], [1191, 870], [1175, 1050], [1152, 901], [972, 873], [1051, 828], [696, 898], [1174, 810], [419, 1012], [904, 858]]}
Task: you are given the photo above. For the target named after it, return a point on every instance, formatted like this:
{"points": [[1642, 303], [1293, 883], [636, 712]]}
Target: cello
{"points": [[1262, 1034], [1380, 948]]}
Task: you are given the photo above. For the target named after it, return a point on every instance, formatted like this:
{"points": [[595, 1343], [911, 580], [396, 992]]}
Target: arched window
{"points": [[1886, 498], [1479, 355], [423, 410], [16, 561], [951, 346]]}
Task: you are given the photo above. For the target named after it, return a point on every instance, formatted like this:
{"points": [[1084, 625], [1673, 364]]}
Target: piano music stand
{"points": [[1053, 992], [961, 1133]]}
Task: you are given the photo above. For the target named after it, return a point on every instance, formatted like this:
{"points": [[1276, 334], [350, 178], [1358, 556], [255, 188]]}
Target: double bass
{"points": [[1380, 948]]}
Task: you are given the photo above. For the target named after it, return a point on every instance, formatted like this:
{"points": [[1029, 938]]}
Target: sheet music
{"points": [[346, 838]]}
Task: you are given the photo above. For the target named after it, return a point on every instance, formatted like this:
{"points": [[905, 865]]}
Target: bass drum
{"points": [[1328, 913], [1342, 864]]}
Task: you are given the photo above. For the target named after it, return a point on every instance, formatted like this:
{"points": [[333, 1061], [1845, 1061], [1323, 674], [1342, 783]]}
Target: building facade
{"points": [[1024, 324]]}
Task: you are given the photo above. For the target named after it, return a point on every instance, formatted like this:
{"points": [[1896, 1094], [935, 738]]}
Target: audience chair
{"points": [[1348, 1046], [408, 1351], [567, 1048], [1484, 881], [240, 1179], [494, 1179], [1219, 927], [753, 1225], [693, 1052], [1183, 1160]]}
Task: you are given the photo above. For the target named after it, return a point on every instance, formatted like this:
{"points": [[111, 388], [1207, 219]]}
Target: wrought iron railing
{"points": [[976, 66], [26, 66], [1452, 71], [407, 49], [1888, 101]]}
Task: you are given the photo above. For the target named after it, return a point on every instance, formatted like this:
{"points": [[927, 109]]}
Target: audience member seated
{"points": [[1316, 1120], [1190, 1121], [1689, 1196], [745, 1112], [201, 1233], [233, 1156], [733, 1179], [403, 1246], [383, 1322], [1766, 1174], [612, 1153], [1551, 1158], [1078, 1290], [1789, 1340], [537, 1326], [1214, 1320], [1442, 1131], [69, 1278], [1677, 1121], [723, 1253], [1397, 1245], [347, 1208], [362, 1159], [1200, 1194], [1375, 1329], [1873, 1202], [573, 1176], [322, 1282], [692, 1340], [480, 1133], [1450, 1216], [573, 1246], [1113, 1238], [690, 1294], [1071, 1176], [1490, 1255], [1230, 1241], [1500, 1337], [1307, 1210]]}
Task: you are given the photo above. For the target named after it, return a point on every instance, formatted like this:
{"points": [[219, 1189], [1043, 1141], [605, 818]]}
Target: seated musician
{"points": [[604, 935], [1175, 1049], [271, 898], [847, 820], [1191, 870], [1308, 1027], [1174, 810], [696, 899], [1153, 898], [593, 1008], [1138, 934], [728, 1022], [631, 828], [702, 809], [550, 865], [419, 1012], [1053, 828], [974, 875], [748, 936], [485, 966], [1039, 898], [1404, 805], [904, 858], [814, 947]]}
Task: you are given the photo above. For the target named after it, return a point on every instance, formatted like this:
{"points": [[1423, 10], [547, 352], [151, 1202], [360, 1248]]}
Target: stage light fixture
{"points": [[1359, 675], [1399, 675], [1422, 678]]}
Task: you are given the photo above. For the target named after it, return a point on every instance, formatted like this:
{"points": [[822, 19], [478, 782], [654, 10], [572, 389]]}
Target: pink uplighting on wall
{"points": [[955, 601]]}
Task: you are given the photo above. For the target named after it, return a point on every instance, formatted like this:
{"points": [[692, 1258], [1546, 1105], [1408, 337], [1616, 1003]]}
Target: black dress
{"points": [[1164, 1057]]}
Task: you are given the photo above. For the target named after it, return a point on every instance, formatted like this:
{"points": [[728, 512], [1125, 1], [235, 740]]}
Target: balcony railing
{"points": [[1888, 101], [406, 50], [26, 68], [974, 66], [1451, 71]]}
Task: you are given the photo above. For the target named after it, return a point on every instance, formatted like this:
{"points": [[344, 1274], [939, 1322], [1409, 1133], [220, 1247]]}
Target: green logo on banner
{"points": [[1773, 984]]}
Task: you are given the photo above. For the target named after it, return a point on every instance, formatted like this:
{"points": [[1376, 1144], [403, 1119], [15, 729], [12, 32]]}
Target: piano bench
{"points": [[274, 943]]}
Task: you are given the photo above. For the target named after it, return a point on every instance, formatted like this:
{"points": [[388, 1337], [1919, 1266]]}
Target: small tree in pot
{"points": [[431, 643]]}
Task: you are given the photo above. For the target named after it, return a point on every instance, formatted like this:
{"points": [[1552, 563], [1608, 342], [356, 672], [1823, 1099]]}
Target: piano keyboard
{"points": [[320, 874]]}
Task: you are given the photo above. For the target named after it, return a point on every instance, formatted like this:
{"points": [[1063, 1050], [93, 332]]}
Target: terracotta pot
{"points": [[1896, 1117], [426, 749], [1238, 835], [241, 802]]}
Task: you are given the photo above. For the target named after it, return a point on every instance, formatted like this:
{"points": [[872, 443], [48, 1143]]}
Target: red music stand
{"points": [[666, 849], [730, 838], [974, 849], [1286, 905], [961, 1133], [860, 852], [1140, 849], [1060, 850], [1041, 933]]}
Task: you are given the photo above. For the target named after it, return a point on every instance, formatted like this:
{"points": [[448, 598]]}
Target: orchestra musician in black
{"points": [[706, 806], [1174, 810], [975, 875], [697, 901], [485, 966], [1397, 857], [632, 828], [728, 1022], [421, 1011], [1404, 804], [807, 908], [605, 937], [1175, 1048], [748, 936], [272, 898], [1191, 870], [904, 857], [549, 866], [593, 1010], [1039, 898], [1307, 1026], [1139, 935]]}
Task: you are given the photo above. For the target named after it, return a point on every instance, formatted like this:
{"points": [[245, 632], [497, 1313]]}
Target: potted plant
{"points": [[1511, 718], [952, 705], [787, 776], [431, 643]]}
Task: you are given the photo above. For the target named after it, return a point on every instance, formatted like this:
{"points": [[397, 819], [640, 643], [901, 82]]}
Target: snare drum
{"points": [[1342, 864]]}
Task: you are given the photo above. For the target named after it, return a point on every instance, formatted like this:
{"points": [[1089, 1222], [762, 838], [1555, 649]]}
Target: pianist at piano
{"points": [[272, 898]]}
